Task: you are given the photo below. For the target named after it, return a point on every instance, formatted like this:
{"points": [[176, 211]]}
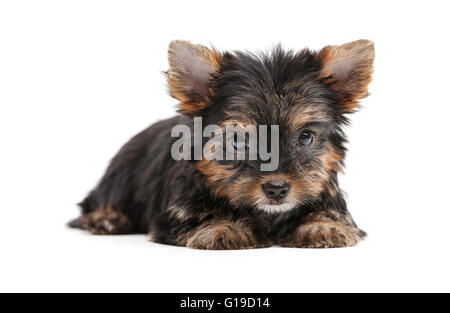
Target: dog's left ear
{"points": [[349, 69], [191, 69]]}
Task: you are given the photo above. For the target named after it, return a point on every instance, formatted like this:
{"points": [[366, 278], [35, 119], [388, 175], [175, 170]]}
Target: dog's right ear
{"points": [[191, 69]]}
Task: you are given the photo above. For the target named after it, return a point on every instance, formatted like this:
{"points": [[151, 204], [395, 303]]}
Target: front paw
{"points": [[333, 234], [222, 235]]}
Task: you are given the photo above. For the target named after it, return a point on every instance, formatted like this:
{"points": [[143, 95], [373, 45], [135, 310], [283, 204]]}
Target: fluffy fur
{"points": [[221, 204]]}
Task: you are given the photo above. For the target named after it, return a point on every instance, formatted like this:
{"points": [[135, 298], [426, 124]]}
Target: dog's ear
{"points": [[191, 69], [348, 68]]}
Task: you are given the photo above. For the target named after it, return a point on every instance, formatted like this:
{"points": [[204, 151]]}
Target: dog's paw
{"points": [[325, 235], [106, 222], [222, 235]]}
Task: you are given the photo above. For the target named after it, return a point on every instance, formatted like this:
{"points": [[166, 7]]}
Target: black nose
{"points": [[276, 191]]}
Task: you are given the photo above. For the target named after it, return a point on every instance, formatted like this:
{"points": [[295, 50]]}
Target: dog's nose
{"points": [[276, 191]]}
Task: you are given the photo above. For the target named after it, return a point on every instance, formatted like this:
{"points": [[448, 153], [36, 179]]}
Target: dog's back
{"points": [[135, 178]]}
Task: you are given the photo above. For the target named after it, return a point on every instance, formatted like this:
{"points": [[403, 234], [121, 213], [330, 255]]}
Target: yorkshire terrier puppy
{"points": [[157, 185]]}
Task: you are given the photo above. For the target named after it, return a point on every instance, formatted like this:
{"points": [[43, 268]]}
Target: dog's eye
{"points": [[305, 139], [239, 144]]}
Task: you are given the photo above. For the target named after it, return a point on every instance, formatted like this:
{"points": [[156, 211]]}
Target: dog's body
{"points": [[209, 204]]}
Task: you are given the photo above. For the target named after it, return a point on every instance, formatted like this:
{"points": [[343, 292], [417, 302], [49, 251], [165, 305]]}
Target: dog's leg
{"points": [[327, 229], [106, 221], [220, 235]]}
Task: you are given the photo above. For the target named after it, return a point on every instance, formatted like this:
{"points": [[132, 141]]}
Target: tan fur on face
{"points": [[330, 159], [311, 183], [351, 66], [301, 187], [298, 119], [307, 109], [305, 186], [316, 180], [220, 235], [191, 70], [215, 175]]}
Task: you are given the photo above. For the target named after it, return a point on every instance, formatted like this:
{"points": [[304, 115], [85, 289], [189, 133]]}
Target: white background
{"points": [[79, 78]]}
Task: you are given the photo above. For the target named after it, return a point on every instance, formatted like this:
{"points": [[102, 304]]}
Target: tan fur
{"points": [[220, 235], [191, 68], [315, 181], [330, 159], [245, 189], [306, 115], [325, 230], [351, 66], [107, 221], [300, 187], [305, 112], [215, 174]]}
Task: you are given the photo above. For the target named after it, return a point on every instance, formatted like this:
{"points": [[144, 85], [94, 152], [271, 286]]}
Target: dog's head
{"points": [[306, 94]]}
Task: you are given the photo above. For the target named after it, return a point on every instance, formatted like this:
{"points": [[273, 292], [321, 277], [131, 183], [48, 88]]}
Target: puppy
{"points": [[171, 189]]}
